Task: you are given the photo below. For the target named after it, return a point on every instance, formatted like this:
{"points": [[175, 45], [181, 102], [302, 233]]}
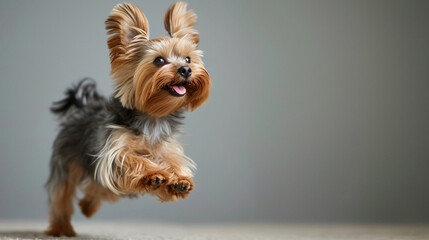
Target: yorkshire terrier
{"points": [[126, 146]]}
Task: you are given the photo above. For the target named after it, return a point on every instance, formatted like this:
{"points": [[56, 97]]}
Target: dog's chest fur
{"points": [[157, 129], [154, 129]]}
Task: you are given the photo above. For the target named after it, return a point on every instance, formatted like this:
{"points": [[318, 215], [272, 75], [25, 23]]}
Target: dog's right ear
{"points": [[128, 28], [129, 31]]}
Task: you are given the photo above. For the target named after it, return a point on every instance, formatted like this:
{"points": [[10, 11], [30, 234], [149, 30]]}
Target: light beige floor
{"points": [[140, 230]]}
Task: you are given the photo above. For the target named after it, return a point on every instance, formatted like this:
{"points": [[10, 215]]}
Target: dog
{"points": [[126, 145]]}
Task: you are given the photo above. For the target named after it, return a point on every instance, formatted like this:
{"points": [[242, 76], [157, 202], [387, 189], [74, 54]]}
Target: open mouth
{"points": [[176, 90]]}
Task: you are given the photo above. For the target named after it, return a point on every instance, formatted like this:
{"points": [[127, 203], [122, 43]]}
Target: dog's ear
{"points": [[128, 28], [179, 22], [129, 31]]}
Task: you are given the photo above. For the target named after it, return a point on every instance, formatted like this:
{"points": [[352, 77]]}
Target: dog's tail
{"points": [[78, 96]]}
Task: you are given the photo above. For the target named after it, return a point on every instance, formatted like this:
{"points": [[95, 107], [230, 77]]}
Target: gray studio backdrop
{"points": [[319, 109]]}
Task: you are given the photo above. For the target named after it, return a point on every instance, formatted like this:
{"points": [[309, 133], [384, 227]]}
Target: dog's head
{"points": [[161, 75]]}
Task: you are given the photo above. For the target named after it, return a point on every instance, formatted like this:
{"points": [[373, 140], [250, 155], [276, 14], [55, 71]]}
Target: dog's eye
{"points": [[159, 61], [188, 60]]}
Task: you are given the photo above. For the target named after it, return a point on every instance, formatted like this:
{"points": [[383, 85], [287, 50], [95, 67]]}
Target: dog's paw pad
{"points": [[155, 180], [182, 187]]}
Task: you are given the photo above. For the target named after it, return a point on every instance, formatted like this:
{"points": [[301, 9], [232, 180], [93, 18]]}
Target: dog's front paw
{"points": [[154, 180], [181, 187]]}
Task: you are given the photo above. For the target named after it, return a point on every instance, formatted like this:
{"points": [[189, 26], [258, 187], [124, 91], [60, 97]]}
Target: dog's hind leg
{"points": [[94, 195], [61, 194]]}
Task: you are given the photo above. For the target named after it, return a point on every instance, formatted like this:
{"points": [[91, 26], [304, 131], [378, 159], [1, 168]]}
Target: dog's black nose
{"points": [[184, 71]]}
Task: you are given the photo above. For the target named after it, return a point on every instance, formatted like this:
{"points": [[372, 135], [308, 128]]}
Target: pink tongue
{"points": [[179, 89]]}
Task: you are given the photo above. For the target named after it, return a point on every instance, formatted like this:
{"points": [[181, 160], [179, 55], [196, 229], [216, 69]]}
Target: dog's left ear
{"points": [[179, 22]]}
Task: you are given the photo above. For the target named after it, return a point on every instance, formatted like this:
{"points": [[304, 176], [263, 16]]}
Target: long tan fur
{"points": [[179, 22], [127, 163], [131, 53], [129, 30]]}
